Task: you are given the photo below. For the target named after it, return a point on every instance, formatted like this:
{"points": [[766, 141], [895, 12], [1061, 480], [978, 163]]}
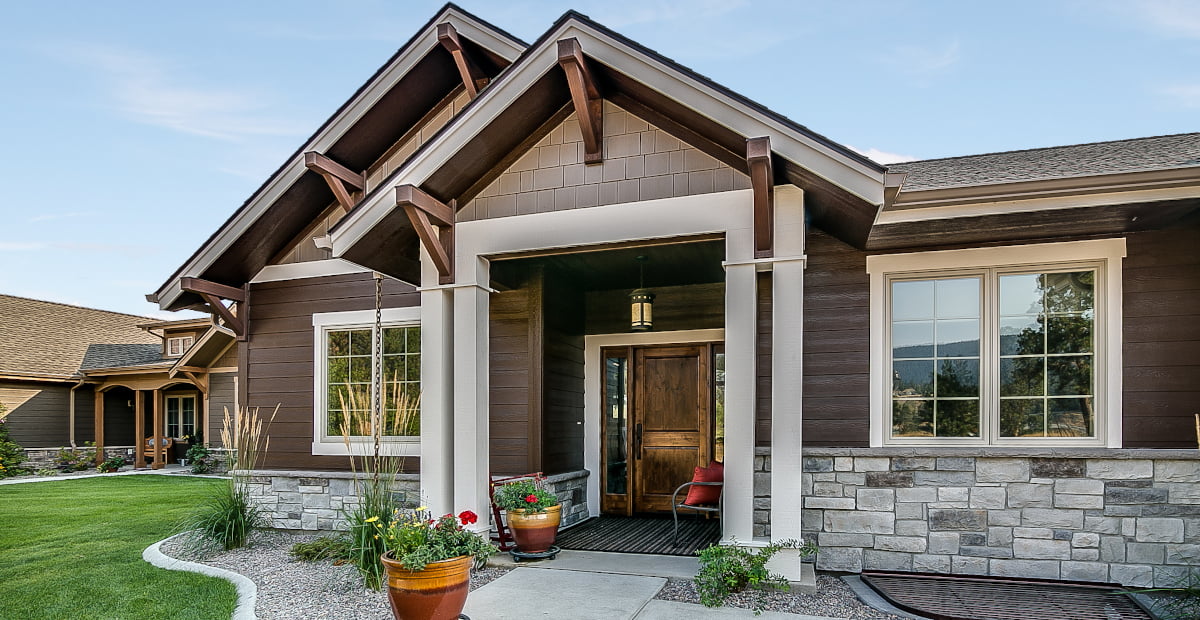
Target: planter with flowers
{"points": [[533, 514], [428, 562]]}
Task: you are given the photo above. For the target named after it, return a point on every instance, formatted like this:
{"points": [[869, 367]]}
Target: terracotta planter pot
{"points": [[534, 533], [436, 593]]}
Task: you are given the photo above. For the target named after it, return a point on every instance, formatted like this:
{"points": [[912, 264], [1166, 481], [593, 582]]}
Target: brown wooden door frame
{"points": [[653, 463]]}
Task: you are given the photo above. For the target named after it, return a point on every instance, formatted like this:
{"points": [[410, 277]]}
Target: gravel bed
{"points": [[833, 598], [289, 588]]}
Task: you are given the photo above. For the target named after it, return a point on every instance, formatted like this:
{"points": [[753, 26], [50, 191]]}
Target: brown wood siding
{"points": [[221, 396], [510, 402], [837, 358], [279, 356], [762, 387], [38, 413], [562, 403], [1161, 289], [118, 417]]}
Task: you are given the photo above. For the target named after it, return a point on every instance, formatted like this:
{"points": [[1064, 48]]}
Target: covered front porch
{"points": [[159, 416]]}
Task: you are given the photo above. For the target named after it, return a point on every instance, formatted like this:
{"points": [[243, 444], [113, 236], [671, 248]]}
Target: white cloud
{"points": [[1173, 17], [924, 61], [883, 157], [1185, 95]]}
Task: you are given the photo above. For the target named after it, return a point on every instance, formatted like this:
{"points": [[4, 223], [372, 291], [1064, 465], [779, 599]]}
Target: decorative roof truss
{"points": [[762, 181], [340, 178], [426, 213], [472, 76], [212, 294], [585, 96]]}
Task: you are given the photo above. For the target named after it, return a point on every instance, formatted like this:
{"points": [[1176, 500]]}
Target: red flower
{"points": [[468, 517], [531, 499]]}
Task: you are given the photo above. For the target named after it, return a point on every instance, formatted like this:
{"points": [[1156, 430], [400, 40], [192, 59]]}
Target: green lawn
{"points": [[73, 549]]}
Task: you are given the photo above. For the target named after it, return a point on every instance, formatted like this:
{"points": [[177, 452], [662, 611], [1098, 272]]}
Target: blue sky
{"points": [[132, 130]]}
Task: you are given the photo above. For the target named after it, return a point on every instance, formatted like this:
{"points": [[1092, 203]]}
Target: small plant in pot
{"points": [[533, 513], [428, 562], [112, 464]]}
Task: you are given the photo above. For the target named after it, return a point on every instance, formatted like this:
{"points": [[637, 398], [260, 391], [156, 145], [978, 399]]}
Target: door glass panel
{"points": [[719, 406], [616, 412]]}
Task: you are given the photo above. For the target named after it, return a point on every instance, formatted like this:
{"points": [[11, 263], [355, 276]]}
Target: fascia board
{"points": [[325, 138], [1024, 204], [836, 167]]}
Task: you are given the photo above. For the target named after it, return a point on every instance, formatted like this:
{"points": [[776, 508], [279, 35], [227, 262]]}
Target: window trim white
{"points": [[354, 319], [185, 343], [1106, 256]]}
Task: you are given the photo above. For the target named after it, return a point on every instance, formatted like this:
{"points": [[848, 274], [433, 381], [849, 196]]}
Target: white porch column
{"points": [[437, 391], [471, 448], [741, 313]]}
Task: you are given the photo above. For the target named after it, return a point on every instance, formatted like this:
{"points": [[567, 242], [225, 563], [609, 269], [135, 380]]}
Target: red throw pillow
{"points": [[704, 493]]}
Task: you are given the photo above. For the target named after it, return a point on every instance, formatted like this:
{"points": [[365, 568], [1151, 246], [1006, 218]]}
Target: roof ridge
{"points": [[66, 305], [1046, 148]]}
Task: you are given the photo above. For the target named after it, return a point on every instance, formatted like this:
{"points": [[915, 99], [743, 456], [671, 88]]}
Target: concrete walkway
{"points": [[587, 585], [175, 470]]}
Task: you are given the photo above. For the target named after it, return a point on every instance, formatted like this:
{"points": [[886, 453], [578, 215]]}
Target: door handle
{"points": [[637, 442]]}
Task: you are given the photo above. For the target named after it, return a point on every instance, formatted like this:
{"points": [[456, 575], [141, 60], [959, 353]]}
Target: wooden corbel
{"points": [[337, 176], [212, 294], [425, 213], [472, 76], [199, 378], [762, 181], [585, 96]]}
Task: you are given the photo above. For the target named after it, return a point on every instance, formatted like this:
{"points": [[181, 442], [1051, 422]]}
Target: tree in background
{"points": [[11, 453]]}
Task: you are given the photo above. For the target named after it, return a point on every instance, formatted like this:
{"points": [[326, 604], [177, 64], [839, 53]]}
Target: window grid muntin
{"points": [[368, 397]]}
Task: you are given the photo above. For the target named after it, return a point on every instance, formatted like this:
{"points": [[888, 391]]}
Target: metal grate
{"points": [[945, 597], [641, 535]]}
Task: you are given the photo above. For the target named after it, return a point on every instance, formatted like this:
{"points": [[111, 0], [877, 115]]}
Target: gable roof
{"points": [[48, 340], [1058, 162]]}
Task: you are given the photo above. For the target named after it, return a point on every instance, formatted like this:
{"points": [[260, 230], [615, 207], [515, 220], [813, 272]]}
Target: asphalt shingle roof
{"points": [[1059, 162], [48, 338], [121, 355]]}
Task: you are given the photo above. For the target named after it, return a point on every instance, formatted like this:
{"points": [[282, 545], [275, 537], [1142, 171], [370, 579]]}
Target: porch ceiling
{"points": [[677, 264]]}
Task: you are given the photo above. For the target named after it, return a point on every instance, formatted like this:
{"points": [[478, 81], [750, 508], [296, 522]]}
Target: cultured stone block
{"points": [[872, 463], [1079, 487], [860, 522], [1057, 468], [1145, 553], [1160, 530], [953, 494], [1121, 495], [1171, 510], [760, 530], [762, 503], [1085, 555], [925, 563], [988, 497], [943, 542], [1171, 576], [1084, 571], [1118, 469], [1112, 548], [285, 484], [1052, 517], [985, 552], [762, 484], [1002, 470], [1022, 495], [308, 521], [1131, 484], [1037, 569], [832, 539], [1128, 528], [953, 519], [812, 520], [762, 517], [826, 489], [1177, 471], [1183, 554], [876, 499], [944, 478], [889, 478], [341, 486], [886, 560], [906, 544], [1041, 549], [840, 559], [911, 528], [818, 464], [1004, 518], [837, 503], [1184, 492], [910, 511], [1078, 501], [978, 540], [919, 494], [1102, 525], [1060, 534], [999, 536], [961, 565], [1121, 510], [1033, 532], [310, 488], [956, 463], [856, 479], [1136, 575], [1085, 539], [843, 463], [914, 463]]}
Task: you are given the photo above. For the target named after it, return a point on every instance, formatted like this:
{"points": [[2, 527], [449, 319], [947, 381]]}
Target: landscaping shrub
{"points": [[323, 548], [77, 459], [201, 458], [11, 453], [112, 464], [725, 569]]}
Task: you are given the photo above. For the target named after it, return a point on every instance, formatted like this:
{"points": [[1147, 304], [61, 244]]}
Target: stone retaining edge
{"points": [[247, 592]]}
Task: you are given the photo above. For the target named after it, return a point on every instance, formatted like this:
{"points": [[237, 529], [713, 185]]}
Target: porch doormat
{"points": [[962, 597], [641, 535]]}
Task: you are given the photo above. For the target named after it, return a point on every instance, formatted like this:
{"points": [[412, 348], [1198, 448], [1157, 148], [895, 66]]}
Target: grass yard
{"points": [[73, 549]]}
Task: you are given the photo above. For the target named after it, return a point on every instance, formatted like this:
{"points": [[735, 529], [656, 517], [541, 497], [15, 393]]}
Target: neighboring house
{"points": [[982, 364], [66, 371]]}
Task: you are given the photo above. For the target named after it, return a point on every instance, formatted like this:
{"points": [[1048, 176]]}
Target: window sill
{"points": [[1057, 452], [386, 448]]}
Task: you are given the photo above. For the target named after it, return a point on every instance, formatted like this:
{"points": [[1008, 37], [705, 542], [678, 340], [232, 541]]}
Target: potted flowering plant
{"points": [[533, 513], [428, 562]]}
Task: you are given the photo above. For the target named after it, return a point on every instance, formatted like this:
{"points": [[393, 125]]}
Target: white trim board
{"points": [[310, 269], [592, 395]]}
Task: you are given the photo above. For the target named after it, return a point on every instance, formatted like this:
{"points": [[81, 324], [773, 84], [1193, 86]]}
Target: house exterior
{"points": [[979, 365], [72, 375]]}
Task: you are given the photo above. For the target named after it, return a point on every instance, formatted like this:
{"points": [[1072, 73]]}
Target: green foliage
{"points": [[1180, 602], [414, 538], [529, 495], [725, 569], [323, 548], [77, 459], [112, 464], [201, 458], [366, 546], [47, 471], [226, 519], [11, 453]]}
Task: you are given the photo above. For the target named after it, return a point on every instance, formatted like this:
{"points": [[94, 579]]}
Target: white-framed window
{"points": [[1016, 345], [346, 363], [177, 346], [181, 416]]}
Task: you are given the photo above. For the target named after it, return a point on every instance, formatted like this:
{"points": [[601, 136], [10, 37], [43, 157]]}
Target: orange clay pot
{"points": [[534, 533], [437, 593]]}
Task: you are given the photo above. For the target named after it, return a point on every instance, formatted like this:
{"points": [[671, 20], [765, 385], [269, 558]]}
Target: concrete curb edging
{"points": [[247, 592]]}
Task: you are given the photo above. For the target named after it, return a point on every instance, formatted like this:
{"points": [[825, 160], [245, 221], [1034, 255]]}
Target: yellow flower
{"points": [[372, 519], [377, 537], [422, 508]]}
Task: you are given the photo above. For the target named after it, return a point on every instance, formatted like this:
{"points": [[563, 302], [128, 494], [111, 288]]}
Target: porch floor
{"points": [[651, 535]]}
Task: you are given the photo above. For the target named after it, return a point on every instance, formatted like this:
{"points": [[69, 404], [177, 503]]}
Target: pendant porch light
{"points": [[641, 302]]}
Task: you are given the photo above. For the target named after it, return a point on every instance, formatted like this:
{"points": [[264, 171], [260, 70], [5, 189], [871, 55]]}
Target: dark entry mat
{"points": [[641, 535], [960, 597]]}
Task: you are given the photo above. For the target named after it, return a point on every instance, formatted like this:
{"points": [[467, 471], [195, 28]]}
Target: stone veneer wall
{"points": [[571, 490], [1125, 516], [315, 500], [38, 458]]}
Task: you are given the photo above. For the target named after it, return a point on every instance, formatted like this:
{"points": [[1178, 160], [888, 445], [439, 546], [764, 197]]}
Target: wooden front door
{"points": [[658, 424]]}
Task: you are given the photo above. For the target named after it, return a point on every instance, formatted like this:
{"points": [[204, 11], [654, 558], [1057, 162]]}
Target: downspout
{"points": [[71, 411]]}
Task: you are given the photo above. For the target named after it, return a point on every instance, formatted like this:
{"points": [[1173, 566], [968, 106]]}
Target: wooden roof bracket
{"points": [[762, 182], [337, 176], [472, 76], [892, 184], [585, 96], [425, 213], [212, 294]]}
